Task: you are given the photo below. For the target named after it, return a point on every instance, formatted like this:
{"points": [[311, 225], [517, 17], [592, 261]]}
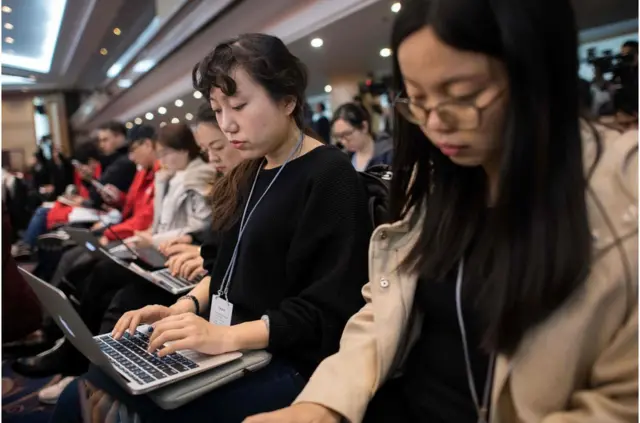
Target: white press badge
{"points": [[221, 311]]}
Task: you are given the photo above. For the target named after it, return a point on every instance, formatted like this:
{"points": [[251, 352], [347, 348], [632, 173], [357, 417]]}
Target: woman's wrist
{"points": [[183, 305], [248, 336]]}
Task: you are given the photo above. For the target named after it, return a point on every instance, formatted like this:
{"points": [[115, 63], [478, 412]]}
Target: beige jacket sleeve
{"points": [[345, 382], [613, 396]]}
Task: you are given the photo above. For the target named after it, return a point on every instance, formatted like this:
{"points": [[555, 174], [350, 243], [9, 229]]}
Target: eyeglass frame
{"points": [[427, 110]]}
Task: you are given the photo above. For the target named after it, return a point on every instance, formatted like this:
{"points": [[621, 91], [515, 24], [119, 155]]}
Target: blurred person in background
{"points": [[351, 126], [321, 124], [506, 291]]}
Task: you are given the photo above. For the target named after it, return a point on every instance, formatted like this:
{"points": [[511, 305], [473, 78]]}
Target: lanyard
{"points": [[226, 279], [481, 409]]}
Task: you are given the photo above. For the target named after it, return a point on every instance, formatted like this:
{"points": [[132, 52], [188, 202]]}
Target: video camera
{"points": [[619, 65]]}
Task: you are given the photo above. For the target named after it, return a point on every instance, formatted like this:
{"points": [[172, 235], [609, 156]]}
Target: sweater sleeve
{"points": [[328, 250]]}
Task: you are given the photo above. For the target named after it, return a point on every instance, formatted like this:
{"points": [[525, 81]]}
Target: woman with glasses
{"points": [[351, 126], [506, 291]]}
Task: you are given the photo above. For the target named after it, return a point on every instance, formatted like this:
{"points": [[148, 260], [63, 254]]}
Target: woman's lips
{"points": [[451, 150]]}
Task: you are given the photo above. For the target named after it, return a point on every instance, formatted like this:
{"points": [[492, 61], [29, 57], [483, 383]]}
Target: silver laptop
{"points": [[120, 254], [126, 360]]}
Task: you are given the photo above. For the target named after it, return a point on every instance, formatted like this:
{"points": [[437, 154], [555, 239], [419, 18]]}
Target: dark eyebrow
{"points": [[449, 81]]}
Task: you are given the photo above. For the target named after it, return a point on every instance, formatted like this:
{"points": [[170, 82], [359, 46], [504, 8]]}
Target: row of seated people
{"points": [[513, 298]]}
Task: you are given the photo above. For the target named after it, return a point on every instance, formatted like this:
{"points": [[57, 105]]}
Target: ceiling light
{"points": [[188, 116], [143, 66], [14, 80], [6, 9], [179, 103], [163, 124], [317, 42], [103, 51], [328, 88], [9, 40], [197, 94], [114, 70], [8, 26], [128, 125], [124, 83], [175, 120], [162, 110], [138, 121], [149, 116], [395, 7], [39, 58], [117, 31], [385, 52]]}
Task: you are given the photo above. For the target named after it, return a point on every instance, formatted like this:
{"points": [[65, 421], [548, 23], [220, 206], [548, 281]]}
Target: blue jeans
{"points": [[268, 389], [37, 226]]}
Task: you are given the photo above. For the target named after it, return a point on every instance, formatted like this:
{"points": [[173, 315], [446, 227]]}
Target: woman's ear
{"points": [[290, 104], [365, 126]]}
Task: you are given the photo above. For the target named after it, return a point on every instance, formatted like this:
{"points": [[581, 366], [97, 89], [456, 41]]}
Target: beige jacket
{"points": [[581, 365]]}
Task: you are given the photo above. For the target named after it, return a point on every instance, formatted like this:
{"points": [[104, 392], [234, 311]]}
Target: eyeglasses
{"points": [[343, 135], [455, 114]]}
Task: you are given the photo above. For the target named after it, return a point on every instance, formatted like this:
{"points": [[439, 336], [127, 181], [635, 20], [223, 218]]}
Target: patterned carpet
{"points": [[20, 397]]}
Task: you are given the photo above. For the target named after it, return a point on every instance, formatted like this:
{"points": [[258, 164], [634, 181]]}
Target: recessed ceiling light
{"points": [[9, 40], [103, 51], [197, 94], [317, 42], [163, 124], [175, 120], [124, 83], [149, 116], [128, 125], [6, 9], [188, 116], [385, 52], [117, 31], [143, 66], [162, 110], [8, 26], [395, 7], [328, 88], [179, 103], [138, 121]]}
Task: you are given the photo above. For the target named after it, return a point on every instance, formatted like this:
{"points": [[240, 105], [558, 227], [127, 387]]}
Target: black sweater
{"points": [[303, 256]]}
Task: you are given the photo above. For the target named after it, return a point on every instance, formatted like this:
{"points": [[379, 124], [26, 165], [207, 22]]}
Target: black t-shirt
{"points": [[303, 256], [434, 386]]}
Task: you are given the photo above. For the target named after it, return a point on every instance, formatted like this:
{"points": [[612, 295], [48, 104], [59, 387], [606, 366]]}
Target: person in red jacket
{"points": [[137, 211]]}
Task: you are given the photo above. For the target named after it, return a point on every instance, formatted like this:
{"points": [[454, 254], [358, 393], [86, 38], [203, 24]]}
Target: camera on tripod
{"points": [[618, 64]]}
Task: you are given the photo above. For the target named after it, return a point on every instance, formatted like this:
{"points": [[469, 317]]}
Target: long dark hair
{"points": [[178, 136], [536, 250], [268, 62]]}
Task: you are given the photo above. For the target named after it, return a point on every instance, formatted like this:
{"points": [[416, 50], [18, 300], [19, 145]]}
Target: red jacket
{"points": [[59, 213], [137, 214]]}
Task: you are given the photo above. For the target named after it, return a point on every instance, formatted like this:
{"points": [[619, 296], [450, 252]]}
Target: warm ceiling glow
{"points": [[9, 40], [163, 124], [395, 7], [149, 116], [6, 9], [138, 121], [128, 125], [162, 110], [103, 51], [117, 31], [8, 26], [179, 103], [197, 94], [317, 42], [328, 88], [175, 120], [385, 52], [188, 116]]}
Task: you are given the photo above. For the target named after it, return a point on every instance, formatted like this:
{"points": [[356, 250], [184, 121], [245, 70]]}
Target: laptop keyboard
{"points": [[177, 282], [130, 355]]}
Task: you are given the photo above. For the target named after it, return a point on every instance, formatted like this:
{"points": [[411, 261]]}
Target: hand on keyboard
{"points": [[190, 332], [146, 315]]}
